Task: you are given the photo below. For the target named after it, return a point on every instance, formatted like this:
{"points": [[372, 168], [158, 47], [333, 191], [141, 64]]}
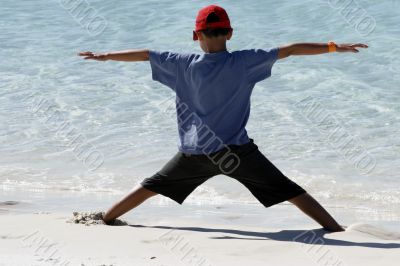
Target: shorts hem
{"points": [[298, 193], [149, 187]]}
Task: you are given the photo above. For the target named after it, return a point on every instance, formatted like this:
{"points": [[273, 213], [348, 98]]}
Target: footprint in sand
{"points": [[374, 231]]}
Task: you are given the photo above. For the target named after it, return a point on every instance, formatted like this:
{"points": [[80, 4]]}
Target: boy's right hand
{"points": [[93, 56]]}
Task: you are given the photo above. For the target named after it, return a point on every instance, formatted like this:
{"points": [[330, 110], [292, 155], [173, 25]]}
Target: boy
{"points": [[213, 104]]}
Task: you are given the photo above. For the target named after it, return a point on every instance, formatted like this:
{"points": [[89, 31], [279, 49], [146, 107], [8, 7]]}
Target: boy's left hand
{"points": [[94, 56], [349, 47]]}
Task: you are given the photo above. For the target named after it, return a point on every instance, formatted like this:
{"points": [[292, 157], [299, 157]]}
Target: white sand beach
{"points": [[47, 239]]}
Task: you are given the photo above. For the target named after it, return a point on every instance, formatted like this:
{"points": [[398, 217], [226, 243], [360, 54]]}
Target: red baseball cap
{"points": [[201, 19]]}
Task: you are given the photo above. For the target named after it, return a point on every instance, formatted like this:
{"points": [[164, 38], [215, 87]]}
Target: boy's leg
{"points": [[270, 186], [176, 180], [312, 208], [137, 196]]}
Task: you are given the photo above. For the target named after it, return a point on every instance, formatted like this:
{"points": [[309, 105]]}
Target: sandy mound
{"points": [[371, 230], [92, 218]]}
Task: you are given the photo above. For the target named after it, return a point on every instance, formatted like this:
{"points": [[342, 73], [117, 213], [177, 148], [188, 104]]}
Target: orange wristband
{"points": [[331, 47]]}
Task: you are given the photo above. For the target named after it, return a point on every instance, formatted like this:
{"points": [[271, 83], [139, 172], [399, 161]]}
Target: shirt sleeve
{"points": [[259, 62], [164, 67]]}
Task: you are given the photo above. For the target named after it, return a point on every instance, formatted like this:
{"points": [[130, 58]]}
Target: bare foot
{"points": [[337, 228]]}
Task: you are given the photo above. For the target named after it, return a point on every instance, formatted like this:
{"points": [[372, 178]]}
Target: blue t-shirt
{"points": [[212, 93]]}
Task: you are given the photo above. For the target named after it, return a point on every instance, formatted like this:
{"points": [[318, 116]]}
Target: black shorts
{"points": [[245, 163]]}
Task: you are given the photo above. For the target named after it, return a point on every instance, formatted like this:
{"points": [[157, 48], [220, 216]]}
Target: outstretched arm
{"points": [[316, 48], [127, 55]]}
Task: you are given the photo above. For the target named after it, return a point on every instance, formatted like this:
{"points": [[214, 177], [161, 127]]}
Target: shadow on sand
{"points": [[311, 237]]}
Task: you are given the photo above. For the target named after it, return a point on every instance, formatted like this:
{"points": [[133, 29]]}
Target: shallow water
{"points": [[119, 114]]}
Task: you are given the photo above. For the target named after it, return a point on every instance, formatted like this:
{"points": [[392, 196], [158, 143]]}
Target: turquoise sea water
{"points": [[50, 100]]}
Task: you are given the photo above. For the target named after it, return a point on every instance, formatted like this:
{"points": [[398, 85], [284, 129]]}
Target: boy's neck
{"points": [[216, 51], [215, 48]]}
